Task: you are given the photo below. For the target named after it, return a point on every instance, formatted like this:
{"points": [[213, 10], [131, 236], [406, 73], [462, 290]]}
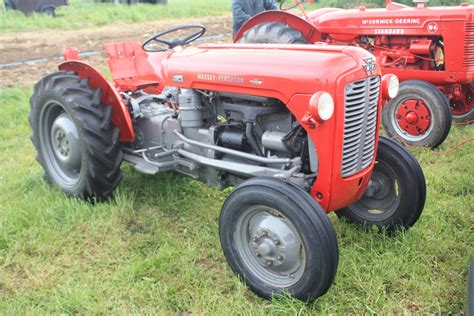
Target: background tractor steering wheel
{"points": [[172, 43], [289, 7]]}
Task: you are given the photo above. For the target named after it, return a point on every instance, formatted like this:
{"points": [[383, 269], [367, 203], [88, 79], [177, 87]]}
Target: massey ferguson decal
{"points": [[370, 66], [221, 78]]}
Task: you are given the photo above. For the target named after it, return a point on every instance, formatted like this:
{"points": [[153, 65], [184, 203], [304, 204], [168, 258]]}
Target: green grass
{"points": [[86, 13], [154, 247]]}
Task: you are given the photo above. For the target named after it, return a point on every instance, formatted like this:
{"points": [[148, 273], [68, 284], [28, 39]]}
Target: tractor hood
{"points": [[395, 19], [277, 71]]}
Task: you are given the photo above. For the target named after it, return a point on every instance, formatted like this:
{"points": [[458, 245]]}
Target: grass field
{"points": [[86, 13], [154, 247]]}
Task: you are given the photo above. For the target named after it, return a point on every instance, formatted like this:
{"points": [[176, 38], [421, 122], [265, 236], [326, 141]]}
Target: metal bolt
{"points": [[280, 258], [277, 242], [269, 263], [258, 254], [255, 239], [264, 233]]}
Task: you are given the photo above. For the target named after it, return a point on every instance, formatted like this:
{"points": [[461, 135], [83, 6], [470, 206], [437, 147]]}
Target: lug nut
{"points": [[269, 263], [264, 233], [277, 242], [255, 239], [258, 254], [280, 258]]}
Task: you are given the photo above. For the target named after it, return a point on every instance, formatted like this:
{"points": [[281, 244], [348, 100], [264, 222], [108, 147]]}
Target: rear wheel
{"points": [[396, 193], [278, 239], [77, 144], [419, 115], [273, 33]]}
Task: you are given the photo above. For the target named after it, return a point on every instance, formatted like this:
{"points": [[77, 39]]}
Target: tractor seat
{"points": [[129, 66]]}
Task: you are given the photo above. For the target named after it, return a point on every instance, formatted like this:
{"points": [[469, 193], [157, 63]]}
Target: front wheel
{"points": [[395, 196], [419, 115], [278, 239]]}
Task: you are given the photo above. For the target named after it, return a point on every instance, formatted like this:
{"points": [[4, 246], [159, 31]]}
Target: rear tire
{"points": [[273, 33], [419, 115], [77, 144], [396, 194], [271, 229]]}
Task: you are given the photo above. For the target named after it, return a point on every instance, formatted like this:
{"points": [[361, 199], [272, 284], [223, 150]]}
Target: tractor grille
{"points": [[469, 46], [360, 123]]}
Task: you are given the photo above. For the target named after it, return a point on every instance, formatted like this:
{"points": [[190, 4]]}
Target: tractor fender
{"points": [[310, 33], [110, 96]]}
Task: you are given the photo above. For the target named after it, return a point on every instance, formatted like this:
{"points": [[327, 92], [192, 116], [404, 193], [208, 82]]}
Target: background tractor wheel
{"points": [[462, 113], [277, 238], [77, 144], [49, 11], [396, 193], [419, 115], [273, 33]]}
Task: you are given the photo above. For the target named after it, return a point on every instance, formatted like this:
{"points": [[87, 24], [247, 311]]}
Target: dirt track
{"points": [[49, 44]]}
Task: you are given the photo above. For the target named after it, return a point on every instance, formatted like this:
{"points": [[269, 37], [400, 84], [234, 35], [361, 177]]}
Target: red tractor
{"points": [[294, 127], [430, 49]]}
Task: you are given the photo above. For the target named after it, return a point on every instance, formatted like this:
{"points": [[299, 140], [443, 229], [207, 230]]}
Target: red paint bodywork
{"points": [[402, 38], [290, 73]]}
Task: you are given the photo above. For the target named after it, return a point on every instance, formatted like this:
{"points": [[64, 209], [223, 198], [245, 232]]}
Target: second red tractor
{"points": [[430, 49]]}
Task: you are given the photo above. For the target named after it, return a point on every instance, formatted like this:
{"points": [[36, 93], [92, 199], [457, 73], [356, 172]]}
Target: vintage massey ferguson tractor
{"points": [[430, 49], [294, 127]]}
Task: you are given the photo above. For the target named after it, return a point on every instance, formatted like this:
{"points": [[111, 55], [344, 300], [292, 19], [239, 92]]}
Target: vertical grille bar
{"points": [[360, 122], [469, 46]]}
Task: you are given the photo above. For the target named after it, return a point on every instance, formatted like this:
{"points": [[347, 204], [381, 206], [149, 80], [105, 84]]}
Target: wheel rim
{"points": [[60, 144], [412, 119], [270, 246], [382, 197]]}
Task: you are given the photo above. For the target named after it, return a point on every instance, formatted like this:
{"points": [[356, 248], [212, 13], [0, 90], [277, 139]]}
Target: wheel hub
{"points": [[413, 117], [274, 244], [65, 142]]}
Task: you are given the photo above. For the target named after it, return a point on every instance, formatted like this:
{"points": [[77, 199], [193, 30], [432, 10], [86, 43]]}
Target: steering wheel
{"points": [[289, 7], [172, 43]]}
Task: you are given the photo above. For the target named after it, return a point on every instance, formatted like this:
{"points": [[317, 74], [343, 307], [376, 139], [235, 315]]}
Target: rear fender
{"points": [[110, 96], [310, 33]]}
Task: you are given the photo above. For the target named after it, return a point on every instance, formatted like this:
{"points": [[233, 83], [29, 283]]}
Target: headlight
{"points": [[390, 86], [321, 106]]}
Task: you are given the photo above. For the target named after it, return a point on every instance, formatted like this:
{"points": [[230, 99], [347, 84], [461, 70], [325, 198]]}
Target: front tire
{"points": [[273, 33], [396, 193], [278, 239], [419, 115], [77, 144]]}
